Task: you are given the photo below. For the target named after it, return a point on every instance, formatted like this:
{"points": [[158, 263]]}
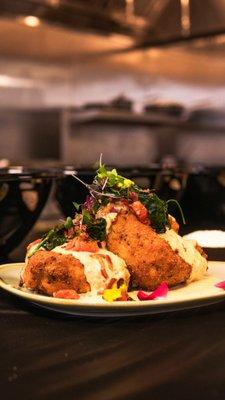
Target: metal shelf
{"points": [[151, 119]]}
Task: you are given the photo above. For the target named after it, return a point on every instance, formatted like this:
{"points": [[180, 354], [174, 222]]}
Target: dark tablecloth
{"points": [[50, 356]]}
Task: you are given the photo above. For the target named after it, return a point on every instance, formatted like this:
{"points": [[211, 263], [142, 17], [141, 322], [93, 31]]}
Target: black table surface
{"points": [[45, 355]]}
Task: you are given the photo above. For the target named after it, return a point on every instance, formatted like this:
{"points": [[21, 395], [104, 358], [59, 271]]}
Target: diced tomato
{"points": [[79, 245], [141, 211], [33, 243], [66, 294], [174, 224]]}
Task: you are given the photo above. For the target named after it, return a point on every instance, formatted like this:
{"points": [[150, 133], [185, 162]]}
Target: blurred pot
{"points": [[23, 194]]}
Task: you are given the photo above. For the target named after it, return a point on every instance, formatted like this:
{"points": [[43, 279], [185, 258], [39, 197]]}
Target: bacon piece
{"points": [[111, 283], [100, 258], [103, 272], [109, 261]]}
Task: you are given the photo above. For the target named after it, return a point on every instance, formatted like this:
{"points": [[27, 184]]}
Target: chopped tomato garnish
{"points": [[33, 243], [66, 294], [174, 224], [81, 245], [141, 211]]}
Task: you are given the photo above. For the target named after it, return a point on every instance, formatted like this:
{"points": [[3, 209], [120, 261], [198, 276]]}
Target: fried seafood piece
{"points": [[149, 257], [48, 272]]}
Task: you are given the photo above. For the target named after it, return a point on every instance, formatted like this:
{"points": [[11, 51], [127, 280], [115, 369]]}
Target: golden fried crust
{"points": [[149, 258], [48, 272]]}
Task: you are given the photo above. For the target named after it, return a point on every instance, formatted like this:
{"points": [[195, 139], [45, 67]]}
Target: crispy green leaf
{"points": [[97, 229], [157, 210]]}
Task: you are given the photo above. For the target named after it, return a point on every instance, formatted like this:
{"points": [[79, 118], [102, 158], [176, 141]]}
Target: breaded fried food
{"points": [[48, 272], [148, 256]]}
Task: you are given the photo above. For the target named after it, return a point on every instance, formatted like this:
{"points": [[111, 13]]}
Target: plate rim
{"points": [[110, 307]]}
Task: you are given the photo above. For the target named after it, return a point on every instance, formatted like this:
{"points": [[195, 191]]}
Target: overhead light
{"points": [[10, 81], [185, 17], [31, 21], [130, 9], [53, 3]]}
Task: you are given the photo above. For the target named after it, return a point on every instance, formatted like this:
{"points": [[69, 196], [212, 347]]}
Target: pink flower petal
{"points": [[220, 285], [160, 291]]}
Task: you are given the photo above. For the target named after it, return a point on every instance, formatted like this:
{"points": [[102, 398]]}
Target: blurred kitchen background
{"points": [[141, 81]]}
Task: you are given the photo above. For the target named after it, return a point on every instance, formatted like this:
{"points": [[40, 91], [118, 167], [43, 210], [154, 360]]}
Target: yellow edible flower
{"points": [[111, 294], [114, 293], [127, 183]]}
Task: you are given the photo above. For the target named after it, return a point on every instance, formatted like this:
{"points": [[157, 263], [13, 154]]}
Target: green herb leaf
{"points": [[55, 237], [157, 210], [76, 205], [97, 229], [112, 180], [69, 223], [86, 217]]}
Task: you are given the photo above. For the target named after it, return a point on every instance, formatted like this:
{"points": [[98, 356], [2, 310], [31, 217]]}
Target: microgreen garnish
{"points": [[179, 208], [107, 187], [69, 223], [76, 205], [112, 179]]}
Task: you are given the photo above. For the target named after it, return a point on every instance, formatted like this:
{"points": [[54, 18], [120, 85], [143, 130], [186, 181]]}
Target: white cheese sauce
{"points": [[98, 268], [187, 250], [110, 218]]}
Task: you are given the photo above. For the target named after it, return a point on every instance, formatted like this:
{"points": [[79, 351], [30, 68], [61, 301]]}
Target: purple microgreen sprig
{"points": [[89, 203], [96, 191]]}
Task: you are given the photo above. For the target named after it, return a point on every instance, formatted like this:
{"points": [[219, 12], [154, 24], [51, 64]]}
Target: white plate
{"points": [[196, 294]]}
